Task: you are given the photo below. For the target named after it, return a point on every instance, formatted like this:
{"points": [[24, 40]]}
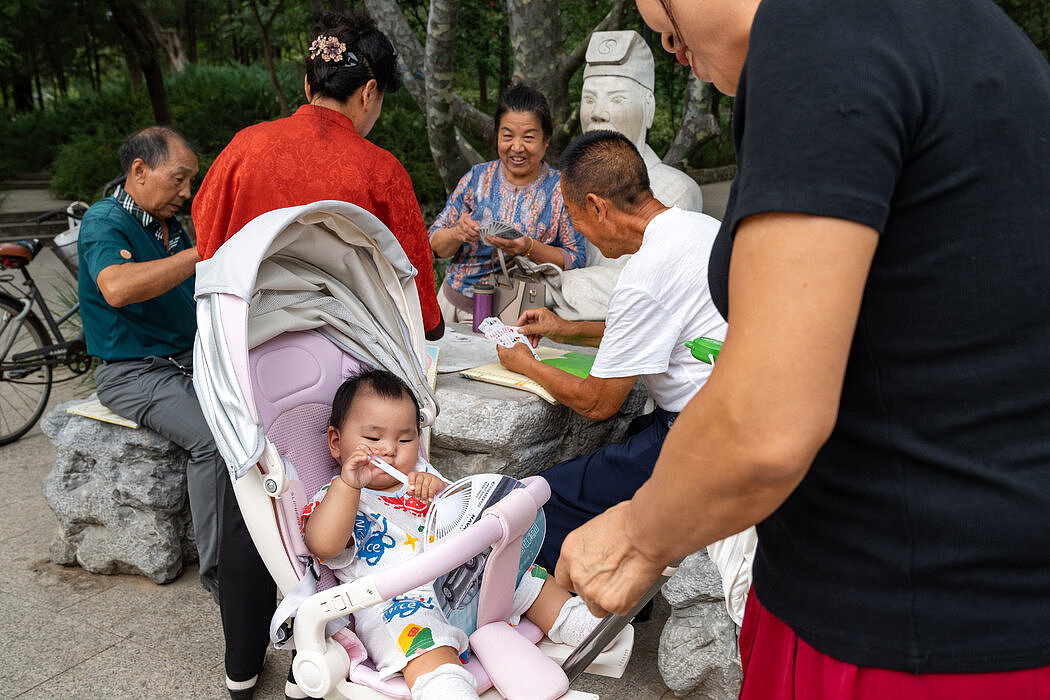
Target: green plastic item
{"points": [[705, 349], [577, 363]]}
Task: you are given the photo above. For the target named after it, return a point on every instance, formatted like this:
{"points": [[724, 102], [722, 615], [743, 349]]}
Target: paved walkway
{"points": [[66, 633]]}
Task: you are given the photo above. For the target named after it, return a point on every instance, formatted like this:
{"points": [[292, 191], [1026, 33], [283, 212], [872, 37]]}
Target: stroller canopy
{"points": [[329, 266]]}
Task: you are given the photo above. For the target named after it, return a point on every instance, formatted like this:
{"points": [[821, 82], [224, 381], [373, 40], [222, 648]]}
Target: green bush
{"points": [[78, 137], [85, 164], [402, 130]]}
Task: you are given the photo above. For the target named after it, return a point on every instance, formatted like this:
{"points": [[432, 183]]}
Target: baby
{"points": [[365, 520]]}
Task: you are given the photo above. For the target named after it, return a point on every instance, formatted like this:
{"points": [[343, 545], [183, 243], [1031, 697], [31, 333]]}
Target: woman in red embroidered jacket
{"points": [[321, 152]]}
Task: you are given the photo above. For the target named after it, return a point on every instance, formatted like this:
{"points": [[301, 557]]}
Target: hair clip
{"points": [[328, 48]]}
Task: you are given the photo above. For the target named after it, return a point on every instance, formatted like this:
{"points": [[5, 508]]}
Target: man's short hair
{"points": [[151, 145], [605, 163]]}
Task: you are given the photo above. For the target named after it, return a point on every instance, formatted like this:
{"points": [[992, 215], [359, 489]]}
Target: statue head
{"points": [[618, 85]]}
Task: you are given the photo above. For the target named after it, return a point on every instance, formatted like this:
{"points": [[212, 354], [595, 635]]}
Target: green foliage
{"points": [[209, 104], [402, 130], [212, 103], [29, 142]]}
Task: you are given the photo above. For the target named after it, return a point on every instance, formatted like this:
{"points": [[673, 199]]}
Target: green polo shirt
{"points": [[164, 325]]}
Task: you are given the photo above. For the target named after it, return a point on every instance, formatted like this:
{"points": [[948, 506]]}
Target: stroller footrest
{"points": [[517, 668]]}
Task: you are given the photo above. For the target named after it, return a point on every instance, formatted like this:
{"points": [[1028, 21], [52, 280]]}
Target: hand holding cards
{"points": [[499, 229], [502, 334]]}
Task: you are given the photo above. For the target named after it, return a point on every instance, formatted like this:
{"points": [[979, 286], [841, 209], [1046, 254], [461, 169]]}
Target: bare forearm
{"points": [[592, 397], [330, 527], [587, 333], [707, 467], [131, 283], [543, 253], [748, 437], [444, 243]]}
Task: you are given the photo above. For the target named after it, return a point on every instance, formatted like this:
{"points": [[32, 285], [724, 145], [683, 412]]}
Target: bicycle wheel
{"points": [[23, 390]]}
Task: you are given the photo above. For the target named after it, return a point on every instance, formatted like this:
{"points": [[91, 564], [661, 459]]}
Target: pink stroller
{"points": [[297, 301]]}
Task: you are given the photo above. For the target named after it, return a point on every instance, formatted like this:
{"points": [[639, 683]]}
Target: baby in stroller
{"points": [[365, 520]]}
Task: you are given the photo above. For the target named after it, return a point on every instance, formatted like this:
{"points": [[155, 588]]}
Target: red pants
{"points": [[780, 666]]}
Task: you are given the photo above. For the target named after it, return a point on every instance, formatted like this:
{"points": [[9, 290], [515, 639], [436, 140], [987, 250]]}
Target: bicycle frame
{"points": [[30, 296]]}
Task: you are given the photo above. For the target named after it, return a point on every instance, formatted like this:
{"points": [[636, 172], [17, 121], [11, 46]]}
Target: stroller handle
{"points": [[510, 518]]}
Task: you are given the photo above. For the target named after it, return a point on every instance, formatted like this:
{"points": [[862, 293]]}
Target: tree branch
{"points": [[575, 58]]}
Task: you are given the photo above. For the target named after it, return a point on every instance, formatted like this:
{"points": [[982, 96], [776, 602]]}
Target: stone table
{"points": [[485, 428]]}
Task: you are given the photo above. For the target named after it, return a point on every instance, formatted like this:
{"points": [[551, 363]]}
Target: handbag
{"points": [[516, 290]]}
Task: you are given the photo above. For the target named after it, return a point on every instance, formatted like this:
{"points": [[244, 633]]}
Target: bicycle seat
{"points": [[17, 254]]}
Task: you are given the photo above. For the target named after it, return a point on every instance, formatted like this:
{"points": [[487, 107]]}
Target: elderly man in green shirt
{"points": [[136, 301]]}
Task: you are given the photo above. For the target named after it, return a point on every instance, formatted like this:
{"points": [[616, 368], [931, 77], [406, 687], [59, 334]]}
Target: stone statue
{"points": [[618, 94]]}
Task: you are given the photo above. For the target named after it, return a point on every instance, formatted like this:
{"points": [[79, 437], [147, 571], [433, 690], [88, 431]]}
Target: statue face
{"points": [[617, 103]]}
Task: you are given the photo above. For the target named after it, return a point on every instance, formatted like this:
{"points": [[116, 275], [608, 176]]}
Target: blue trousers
{"points": [[585, 486]]}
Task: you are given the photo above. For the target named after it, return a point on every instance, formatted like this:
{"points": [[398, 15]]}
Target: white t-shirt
{"points": [[661, 301]]}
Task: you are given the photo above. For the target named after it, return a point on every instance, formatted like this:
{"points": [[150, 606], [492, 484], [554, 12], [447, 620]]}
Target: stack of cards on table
{"points": [[496, 330]]}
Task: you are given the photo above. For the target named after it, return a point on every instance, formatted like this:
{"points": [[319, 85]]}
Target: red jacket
{"points": [[312, 155]]}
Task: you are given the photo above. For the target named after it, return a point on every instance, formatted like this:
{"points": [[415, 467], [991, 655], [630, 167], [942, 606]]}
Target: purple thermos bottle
{"points": [[483, 294]]}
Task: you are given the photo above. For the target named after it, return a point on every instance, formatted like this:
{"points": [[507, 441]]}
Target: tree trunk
{"points": [[504, 61], [36, 80], [698, 125], [467, 117], [437, 66], [191, 30], [264, 29], [133, 22], [57, 72], [22, 91], [537, 46]]}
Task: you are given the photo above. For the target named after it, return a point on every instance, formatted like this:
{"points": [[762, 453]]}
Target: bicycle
{"points": [[32, 343]]}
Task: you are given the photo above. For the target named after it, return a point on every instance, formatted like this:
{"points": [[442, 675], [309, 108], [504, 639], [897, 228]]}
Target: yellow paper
{"points": [[495, 373], [96, 411]]}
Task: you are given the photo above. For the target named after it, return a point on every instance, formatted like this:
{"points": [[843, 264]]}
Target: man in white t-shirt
{"points": [[660, 301]]}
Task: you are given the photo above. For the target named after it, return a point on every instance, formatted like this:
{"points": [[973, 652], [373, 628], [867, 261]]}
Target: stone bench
{"points": [[120, 498]]}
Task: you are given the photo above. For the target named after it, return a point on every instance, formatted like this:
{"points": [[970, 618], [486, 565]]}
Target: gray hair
{"points": [[151, 145]]}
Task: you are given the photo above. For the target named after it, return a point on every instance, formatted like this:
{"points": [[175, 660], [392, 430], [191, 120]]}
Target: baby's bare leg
{"points": [[548, 604], [427, 662]]}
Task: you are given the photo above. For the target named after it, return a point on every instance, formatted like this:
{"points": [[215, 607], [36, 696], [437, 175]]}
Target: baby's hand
{"points": [[357, 471], [425, 486]]}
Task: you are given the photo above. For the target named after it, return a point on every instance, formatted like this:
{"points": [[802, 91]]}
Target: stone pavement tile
{"points": [[132, 669], [180, 617], [27, 573], [37, 644], [641, 680], [275, 672]]}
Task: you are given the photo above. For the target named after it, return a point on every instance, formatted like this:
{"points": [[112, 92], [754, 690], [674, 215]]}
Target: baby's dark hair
{"points": [[383, 383]]}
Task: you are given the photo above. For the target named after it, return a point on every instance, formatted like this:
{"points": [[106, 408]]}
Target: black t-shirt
{"points": [[920, 538]]}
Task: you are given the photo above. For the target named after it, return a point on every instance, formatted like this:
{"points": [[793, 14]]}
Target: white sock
{"points": [[574, 623], [446, 682], [241, 685]]}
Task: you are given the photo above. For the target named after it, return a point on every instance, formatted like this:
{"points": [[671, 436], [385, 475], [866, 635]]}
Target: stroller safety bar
{"points": [[320, 663]]}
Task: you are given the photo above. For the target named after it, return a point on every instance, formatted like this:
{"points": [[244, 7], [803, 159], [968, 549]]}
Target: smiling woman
{"points": [[519, 189]]}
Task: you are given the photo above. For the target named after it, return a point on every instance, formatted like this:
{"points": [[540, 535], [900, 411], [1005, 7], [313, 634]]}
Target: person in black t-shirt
{"points": [[880, 408]]}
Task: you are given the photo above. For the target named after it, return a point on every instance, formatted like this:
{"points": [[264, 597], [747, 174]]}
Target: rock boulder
{"points": [[483, 428], [698, 647], [120, 498]]}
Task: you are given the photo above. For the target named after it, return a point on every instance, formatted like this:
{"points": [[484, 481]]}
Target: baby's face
{"points": [[387, 426]]}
